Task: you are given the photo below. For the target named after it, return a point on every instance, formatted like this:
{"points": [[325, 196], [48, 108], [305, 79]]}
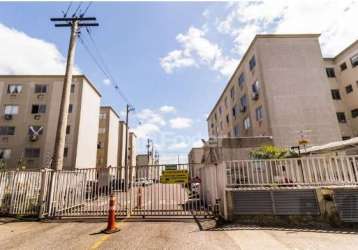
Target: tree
{"points": [[272, 152]]}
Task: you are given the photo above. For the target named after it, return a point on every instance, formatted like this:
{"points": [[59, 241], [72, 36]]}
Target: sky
{"points": [[171, 60]]}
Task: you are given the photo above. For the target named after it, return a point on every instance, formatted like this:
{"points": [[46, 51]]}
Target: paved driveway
{"points": [[167, 235]]}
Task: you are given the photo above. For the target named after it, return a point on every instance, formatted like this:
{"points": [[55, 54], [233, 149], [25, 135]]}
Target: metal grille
{"points": [[293, 202], [346, 201]]}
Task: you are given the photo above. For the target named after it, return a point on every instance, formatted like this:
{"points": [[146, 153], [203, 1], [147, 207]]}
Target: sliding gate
{"points": [[149, 191]]}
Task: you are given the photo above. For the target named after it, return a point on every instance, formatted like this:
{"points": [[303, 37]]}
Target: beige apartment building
{"points": [[29, 116], [342, 72], [108, 138], [279, 89]]}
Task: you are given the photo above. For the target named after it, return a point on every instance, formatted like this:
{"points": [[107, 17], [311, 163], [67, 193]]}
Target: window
{"points": [[215, 116], [241, 79], [255, 87], [212, 125], [330, 72], [5, 153], [232, 92], [102, 116], [335, 94], [40, 88], [38, 108], [234, 111], [259, 114], [243, 102], [70, 108], [7, 130], [252, 62], [14, 88], [227, 119], [225, 102], [32, 152], [349, 88], [221, 125], [346, 138], [237, 131], [247, 123], [341, 117], [101, 130], [72, 88], [354, 60], [68, 129], [220, 110], [11, 109], [354, 113], [65, 152], [343, 66]]}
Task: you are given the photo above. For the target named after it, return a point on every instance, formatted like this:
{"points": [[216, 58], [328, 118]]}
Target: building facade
{"points": [[342, 74], [279, 89], [30, 107], [108, 138]]}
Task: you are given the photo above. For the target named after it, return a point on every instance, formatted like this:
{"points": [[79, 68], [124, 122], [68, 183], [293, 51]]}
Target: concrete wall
{"points": [[297, 91], [88, 128], [113, 133]]}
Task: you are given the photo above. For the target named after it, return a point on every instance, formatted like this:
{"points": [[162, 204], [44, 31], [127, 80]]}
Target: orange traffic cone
{"points": [[111, 224]]}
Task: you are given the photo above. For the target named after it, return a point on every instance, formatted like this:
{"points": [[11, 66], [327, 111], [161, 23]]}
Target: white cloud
{"points": [[146, 130], [149, 116], [335, 20], [167, 109], [197, 50], [22, 54], [106, 81], [197, 144], [180, 122], [179, 145]]}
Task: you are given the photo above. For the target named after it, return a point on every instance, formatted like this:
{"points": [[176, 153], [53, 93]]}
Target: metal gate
{"points": [[148, 191]]}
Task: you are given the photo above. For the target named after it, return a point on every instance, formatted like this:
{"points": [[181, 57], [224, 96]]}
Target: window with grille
{"points": [[40, 88], [252, 62], [354, 60], [38, 109], [341, 117], [14, 88], [11, 109], [241, 79], [7, 130], [343, 66], [5, 153], [330, 72], [354, 113], [32, 152], [335, 94]]}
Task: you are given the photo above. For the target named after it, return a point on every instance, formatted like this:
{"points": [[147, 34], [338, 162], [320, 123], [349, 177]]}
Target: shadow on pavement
{"points": [[221, 226]]}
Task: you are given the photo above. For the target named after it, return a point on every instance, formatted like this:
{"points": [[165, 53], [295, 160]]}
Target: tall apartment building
{"points": [[29, 113], [342, 72], [121, 143], [108, 138], [279, 89]]}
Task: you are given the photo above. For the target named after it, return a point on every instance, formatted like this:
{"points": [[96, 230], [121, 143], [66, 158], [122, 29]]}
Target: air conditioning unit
{"points": [[8, 117], [255, 96], [243, 109], [34, 137]]}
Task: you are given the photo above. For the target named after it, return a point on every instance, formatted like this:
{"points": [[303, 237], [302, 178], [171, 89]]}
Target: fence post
{"points": [[50, 192], [42, 194], [226, 212]]}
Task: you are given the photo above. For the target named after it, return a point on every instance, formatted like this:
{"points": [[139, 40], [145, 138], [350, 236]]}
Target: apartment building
{"points": [[279, 89], [29, 116], [121, 143], [342, 74], [108, 138]]}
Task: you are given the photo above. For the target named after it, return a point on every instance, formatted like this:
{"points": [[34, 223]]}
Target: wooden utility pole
{"points": [[75, 23]]}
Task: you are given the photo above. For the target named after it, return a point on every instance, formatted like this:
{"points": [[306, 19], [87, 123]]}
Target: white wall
{"points": [[113, 132], [88, 128]]}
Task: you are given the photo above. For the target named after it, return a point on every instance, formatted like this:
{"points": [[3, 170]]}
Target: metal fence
{"points": [[23, 192], [292, 173], [86, 192]]}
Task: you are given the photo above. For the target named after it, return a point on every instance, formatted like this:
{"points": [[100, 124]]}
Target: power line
{"points": [[68, 8], [89, 5], [79, 6]]}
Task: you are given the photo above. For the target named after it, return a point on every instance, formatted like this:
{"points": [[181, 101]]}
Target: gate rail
{"points": [[292, 173]]}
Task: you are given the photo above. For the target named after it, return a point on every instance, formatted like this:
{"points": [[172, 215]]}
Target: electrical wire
{"points": [[78, 8], [89, 5], [68, 9]]}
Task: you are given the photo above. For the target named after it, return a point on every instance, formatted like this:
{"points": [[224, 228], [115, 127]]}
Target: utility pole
{"points": [[75, 23], [128, 109]]}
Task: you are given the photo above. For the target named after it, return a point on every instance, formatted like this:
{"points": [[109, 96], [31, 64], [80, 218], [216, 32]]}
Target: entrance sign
{"points": [[174, 176], [171, 167]]}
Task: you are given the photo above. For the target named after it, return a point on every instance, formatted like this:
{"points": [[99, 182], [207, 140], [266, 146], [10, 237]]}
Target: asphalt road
{"points": [[168, 235]]}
